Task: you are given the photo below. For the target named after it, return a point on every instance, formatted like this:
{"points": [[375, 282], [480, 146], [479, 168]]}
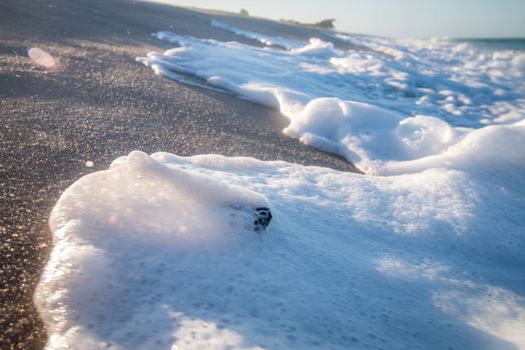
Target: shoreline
{"points": [[98, 105]]}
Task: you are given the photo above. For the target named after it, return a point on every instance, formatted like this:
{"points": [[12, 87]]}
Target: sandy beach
{"points": [[98, 104]]}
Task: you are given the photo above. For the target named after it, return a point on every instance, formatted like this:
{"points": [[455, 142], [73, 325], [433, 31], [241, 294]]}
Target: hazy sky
{"points": [[398, 18]]}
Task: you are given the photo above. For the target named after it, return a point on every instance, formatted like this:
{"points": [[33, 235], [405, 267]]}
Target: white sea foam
{"points": [[399, 100], [159, 251]]}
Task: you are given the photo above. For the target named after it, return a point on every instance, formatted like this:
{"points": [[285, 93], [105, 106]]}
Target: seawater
{"points": [[515, 44]]}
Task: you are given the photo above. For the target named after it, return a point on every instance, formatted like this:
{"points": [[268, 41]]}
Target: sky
{"points": [[394, 18]]}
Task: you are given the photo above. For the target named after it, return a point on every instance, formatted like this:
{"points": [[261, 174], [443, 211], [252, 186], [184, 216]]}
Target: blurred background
{"points": [[401, 18]]}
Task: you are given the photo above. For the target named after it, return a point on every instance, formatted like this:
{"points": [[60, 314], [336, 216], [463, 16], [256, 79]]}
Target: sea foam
{"points": [[159, 251], [358, 93], [155, 253]]}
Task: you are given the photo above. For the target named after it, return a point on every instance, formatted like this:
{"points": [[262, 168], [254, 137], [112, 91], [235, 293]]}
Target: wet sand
{"points": [[100, 104]]}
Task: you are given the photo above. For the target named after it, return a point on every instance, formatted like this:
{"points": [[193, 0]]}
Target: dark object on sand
{"points": [[263, 216]]}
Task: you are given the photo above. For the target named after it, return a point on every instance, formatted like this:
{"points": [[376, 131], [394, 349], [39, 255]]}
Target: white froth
{"points": [[453, 85], [159, 252]]}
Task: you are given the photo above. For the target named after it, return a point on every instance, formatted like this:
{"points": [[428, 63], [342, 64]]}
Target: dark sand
{"points": [[101, 104]]}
